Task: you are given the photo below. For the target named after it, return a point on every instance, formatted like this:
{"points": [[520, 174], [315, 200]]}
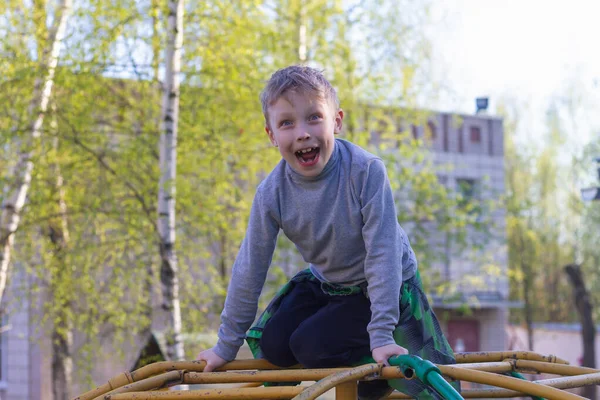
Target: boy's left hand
{"points": [[383, 353]]}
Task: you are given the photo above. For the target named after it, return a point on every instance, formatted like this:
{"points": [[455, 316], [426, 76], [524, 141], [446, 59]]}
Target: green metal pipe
{"points": [[444, 388], [427, 372]]}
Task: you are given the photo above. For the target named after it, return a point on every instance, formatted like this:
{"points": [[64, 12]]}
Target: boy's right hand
{"points": [[213, 361]]}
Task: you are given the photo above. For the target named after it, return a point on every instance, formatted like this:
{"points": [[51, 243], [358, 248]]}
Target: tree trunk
{"points": [[166, 199], [62, 330], [527, 287], [62, 363], [527, 292], [11, 209], [302, 40], [588, 330]]}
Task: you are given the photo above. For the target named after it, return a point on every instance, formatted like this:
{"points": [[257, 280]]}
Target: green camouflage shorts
{"points": [[418, 329]]}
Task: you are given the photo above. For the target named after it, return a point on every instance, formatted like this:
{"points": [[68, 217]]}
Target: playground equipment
{"points": [[500, 371]]}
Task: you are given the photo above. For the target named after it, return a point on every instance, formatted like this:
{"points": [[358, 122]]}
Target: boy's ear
{"points": [[271, 136], [339, 117]]}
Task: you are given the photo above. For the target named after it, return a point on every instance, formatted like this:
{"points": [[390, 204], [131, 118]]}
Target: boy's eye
{"points": [[314, 117], [285, 123]]}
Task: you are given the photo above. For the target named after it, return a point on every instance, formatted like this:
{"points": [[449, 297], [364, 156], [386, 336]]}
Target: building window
{"points": [[445, 118], [467, 189], [469, 195], [432, 130], [490, 138], [475, 134]]}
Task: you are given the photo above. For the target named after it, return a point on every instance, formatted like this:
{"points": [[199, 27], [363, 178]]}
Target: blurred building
{"points": [[468, 151], [467, 279]]}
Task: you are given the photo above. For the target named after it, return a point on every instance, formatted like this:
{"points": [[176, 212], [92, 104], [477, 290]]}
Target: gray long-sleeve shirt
{"points": [[344, 224]]}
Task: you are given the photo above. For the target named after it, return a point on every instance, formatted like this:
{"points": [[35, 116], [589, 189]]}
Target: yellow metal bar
{"points": [[198, 366], [520, 385], [92, 394], [346, 391], [166, 366], [571, 382], [263, 371], [113, 383], [354, 374], [249, 385], [394, 372], [538, 367], [282, 392], [260, 376], [488, 356], [167, 379], [559, 383]]}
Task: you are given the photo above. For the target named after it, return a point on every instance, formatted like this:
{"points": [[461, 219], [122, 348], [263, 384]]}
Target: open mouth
{"points": [[308, 157]]}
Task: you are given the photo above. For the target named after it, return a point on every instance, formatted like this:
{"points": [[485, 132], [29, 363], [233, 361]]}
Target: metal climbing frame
{"points": [[490, 368]]}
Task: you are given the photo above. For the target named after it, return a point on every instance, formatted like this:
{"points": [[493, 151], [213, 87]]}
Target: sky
{"points": [[529, 51]]}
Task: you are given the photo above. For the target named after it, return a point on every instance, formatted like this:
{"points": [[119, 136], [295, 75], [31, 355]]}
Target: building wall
{"points": [[483, 163], [18, 355], [470, 148], [26, 375], [17, 349], [490, 323], [562, 340]]}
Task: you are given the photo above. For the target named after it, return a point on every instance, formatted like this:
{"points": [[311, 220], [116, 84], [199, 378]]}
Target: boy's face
{"points": [[302, 126]]}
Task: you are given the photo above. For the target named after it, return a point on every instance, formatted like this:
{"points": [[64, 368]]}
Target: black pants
{"points": [[318, 330]]}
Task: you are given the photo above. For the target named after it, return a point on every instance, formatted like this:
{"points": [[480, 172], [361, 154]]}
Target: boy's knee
{"points": [[313, 352], [276, 349]]}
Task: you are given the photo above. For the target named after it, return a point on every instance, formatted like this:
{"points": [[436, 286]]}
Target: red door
{"points": [[463, 335]]}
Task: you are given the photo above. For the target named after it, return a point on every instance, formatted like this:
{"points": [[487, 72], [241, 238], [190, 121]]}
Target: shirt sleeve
{"points": [[247, 278], [383, 243]]}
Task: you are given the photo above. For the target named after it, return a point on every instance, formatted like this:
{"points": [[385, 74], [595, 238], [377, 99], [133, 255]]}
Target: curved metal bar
{"points": [[568, 382], [517, 375], [171, 378], [538, 367], [486, 356], [488, 378], [166, 366], [314, 391], [194, 378], [284, 392], [521, 361]]}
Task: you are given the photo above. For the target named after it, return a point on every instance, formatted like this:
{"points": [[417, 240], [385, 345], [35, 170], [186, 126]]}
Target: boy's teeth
{"points": [[306, 150]]}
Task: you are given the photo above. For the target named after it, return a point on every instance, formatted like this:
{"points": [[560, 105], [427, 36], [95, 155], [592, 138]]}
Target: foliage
{"points": [[107, 98], [547, 222]]}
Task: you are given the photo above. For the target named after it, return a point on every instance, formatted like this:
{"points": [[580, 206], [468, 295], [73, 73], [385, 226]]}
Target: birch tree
{"points": [[22, 173], [62, 329], [166, 198]]}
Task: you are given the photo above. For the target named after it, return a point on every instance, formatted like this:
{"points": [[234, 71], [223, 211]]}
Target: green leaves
{"points": [[107, 96]]}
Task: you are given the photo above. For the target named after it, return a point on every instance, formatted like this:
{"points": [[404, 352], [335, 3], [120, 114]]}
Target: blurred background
{"points": [[132, 140]]}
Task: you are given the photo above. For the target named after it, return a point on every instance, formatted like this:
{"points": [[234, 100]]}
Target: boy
{"points": [[361, 296]]}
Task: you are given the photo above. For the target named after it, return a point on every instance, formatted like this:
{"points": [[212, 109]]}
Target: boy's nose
{"points": [[303, 135]]}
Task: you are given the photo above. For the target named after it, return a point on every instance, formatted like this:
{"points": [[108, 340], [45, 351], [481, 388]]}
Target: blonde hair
{"points": [[298, 78]]}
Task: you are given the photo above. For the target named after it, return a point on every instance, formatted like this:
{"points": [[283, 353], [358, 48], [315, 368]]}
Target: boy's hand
{"points": [[383, 353], [213, 361]]}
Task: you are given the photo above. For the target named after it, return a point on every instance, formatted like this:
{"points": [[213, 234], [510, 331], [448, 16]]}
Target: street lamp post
{"points": [[592, 193], [583, 301]]}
